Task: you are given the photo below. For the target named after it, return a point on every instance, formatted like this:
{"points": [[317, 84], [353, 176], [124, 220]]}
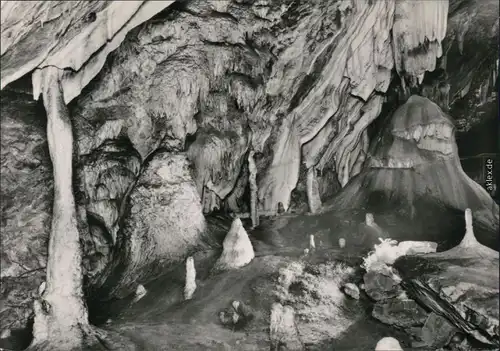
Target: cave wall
{"points": [[296, 82]]}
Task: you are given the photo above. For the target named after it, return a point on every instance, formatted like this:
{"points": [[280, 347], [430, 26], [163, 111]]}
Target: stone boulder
{"points": [[460, 284], [400, 312], [163, 223]]}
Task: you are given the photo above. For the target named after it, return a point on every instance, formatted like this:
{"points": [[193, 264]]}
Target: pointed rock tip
{"points": [[369, 219]]}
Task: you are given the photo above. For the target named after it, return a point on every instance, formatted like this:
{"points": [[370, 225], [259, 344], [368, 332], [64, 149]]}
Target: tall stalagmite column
{"points": [[253, 189], [313, 197], [62, 317]]}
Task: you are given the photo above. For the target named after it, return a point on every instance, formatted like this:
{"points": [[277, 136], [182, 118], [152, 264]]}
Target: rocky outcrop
{"points": [[26, 192], [416, 157], [162, 231], [69, 35], [459, 284]]}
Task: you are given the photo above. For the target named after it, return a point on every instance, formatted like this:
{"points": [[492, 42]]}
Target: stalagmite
{"points": [[190, 285], [237, 249], [252, 179], [140, 292], [312, 244], [283, 329], [369, 220], [62, 317], [313, 197], [469, 246], [342, 243], [388, 344]]}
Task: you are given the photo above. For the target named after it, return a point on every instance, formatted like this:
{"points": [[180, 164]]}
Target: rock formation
{"points": [[416, 157], [312, 243], [283, 330], [238, 96], [140, 292], [388, 344], [147, 246], [190, 284], [61, 316], [460, 285], [237, 250]]}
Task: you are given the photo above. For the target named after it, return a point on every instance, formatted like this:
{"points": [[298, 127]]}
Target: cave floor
{"points": [[161, 320]]}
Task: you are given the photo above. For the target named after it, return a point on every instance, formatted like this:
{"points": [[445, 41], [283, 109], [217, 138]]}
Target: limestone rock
{"points": [[351, 290], [237, 250], [381, 286], [417, 247], [417, 144], [190, 284], [140, 292], [459, 284], [418, 23], [283, 330], [312, 243], [341, 243], [388, 344], [62, 43], [437, 331], [400, 312], [159, 233], [298, 82]]}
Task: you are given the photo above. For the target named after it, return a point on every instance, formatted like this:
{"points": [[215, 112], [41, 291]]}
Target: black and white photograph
{"points": [[249, 175]]}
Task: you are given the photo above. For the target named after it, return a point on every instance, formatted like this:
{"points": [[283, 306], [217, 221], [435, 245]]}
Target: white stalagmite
{"points": [[342, 243], [313, 197], [469, 246], [369, 220], [388, 344], [140, 292], [190, 284], [252, 179], [283, 329], [237, 250], [62, 317], [312, 244]]}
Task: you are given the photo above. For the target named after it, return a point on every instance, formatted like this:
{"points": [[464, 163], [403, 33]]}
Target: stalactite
{"points": [[345, 171], [418, 30], [252, 180], [313, 197], [62, 317], [359, 124], [352, 109]]}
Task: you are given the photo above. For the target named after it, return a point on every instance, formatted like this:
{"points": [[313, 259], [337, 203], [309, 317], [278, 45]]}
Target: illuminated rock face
{"points": [[416, 158], [419, 133]]}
